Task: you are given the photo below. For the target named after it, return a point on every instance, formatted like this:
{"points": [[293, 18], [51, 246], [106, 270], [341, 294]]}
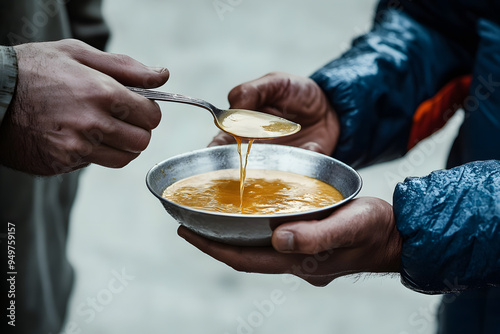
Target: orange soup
{"points": [[266, 192]]}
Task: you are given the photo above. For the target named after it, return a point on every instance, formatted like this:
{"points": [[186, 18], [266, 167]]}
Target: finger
{"points": [[263, 260], [245, 96], [109, 157], [317, 269], [106, 96], [129, 71], [97, 127], [124, 69], [84, 153], [125, 137], [135, 109], [222, 138], [309, 237], [340, 230], [315, 147], [257, 93]]}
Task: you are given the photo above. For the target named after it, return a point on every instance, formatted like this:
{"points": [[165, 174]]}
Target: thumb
{"points": [[122, 68], [266, 90], [244, 96], [343, 228], [129, 71], [305, 237]]}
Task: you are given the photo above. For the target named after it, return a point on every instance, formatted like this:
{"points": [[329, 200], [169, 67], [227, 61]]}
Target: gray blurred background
{"points": [[134, 274]]}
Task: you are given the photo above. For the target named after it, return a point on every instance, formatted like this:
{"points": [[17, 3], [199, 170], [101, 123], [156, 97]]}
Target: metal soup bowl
{"points": [[249, 230]]}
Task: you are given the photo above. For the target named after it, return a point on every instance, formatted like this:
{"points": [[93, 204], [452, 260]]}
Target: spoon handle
{"points": [[173, 97]]}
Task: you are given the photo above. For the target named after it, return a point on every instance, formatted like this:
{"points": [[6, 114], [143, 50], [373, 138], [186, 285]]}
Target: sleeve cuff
{"points": [[8, 78], [450, 225]]}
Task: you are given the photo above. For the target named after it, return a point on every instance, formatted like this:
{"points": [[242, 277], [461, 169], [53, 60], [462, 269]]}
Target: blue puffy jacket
{"points": [[399, 83]]}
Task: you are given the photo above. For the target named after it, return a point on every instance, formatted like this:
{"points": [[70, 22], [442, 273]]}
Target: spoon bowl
{"points": [[246, 124]]}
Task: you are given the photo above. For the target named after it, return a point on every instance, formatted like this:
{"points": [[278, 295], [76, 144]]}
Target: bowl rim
{"points": [[254, 216]]}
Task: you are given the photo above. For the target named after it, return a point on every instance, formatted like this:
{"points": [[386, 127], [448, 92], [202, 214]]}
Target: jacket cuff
{"points": [[450, 225], [8, 78]]}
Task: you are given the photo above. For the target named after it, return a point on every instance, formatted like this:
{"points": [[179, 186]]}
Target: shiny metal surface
{"points": [[249, 230], [219, 114]]}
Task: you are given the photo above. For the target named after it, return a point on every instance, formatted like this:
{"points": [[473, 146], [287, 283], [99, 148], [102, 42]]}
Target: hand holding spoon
{"points": [[246, 124]]}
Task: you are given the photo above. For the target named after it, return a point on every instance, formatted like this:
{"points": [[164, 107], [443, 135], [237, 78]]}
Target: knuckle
{"points": [[236, 92], [105, 91], [75, 152], [122, 160], [95, 93], [70, 44], [151, 81], [154, 116], [141, 141], [73, 146], [105, 125], [306, 244], [123, 60], [244, 96], [121, 110], [75, 48]]}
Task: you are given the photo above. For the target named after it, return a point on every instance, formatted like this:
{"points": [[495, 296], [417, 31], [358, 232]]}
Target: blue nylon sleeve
{"points": [[376, 86], [450, 224]]}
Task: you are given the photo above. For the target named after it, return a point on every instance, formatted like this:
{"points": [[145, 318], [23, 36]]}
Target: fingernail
{"points": [[160, 69], [284, 241]]}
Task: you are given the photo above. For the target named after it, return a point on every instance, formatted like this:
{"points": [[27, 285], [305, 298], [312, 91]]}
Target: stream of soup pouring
{"points": [[251, 125], [243, 167]]}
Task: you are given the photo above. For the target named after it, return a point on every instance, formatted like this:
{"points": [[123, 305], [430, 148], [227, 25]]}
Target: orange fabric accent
{"points": [[432, 114]]}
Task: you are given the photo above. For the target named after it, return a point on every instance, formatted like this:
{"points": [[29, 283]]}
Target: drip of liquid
{"points": [[250, 125], [243, 167]]}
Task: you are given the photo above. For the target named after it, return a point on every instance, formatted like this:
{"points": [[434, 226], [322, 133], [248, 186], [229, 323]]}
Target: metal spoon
{"points": [[246, 124]]}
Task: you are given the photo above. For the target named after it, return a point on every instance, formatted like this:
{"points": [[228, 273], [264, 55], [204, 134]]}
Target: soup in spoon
{"points": [[249, 124]]}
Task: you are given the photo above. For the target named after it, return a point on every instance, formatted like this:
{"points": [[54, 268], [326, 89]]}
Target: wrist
{"points": [[392, 260]]}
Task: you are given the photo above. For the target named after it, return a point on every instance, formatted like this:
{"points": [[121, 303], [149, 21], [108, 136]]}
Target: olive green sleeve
{"points": [[8, 77]]}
